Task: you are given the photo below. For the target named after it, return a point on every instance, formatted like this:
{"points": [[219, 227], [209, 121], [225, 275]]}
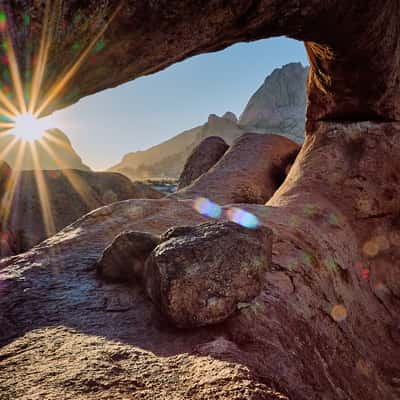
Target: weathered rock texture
{"points": [[53, 151], [146, 36], [200, 275], [203, 157], [44, 203], [326, 322], [279, 105], [249, 172], [124, 259]]}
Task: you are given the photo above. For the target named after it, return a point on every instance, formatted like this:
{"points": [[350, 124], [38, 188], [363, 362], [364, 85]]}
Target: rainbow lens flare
{"points": [[243, 218], [207, 208]]}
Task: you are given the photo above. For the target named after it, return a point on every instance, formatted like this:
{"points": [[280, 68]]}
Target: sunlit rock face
{"points": [[53, 151], [280, 103], [34, 205]]}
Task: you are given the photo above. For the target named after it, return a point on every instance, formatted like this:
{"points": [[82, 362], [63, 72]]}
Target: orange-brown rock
{"points": [[249, 172], [203, 157], [146, 36]]}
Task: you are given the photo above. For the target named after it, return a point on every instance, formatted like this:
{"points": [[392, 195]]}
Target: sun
{"points": [[28, 128]]}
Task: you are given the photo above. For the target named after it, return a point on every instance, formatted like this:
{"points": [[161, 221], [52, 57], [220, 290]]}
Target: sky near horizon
{"points": [[139, 114]]}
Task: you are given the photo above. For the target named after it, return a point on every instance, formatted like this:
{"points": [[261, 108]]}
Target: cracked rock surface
{"points": [[199, 275]]}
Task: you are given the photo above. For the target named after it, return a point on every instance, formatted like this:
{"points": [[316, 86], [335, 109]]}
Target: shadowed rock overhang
{"points": [[352, 47]]}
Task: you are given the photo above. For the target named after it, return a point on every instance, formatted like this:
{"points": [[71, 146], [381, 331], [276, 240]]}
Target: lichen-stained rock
{"points": [[249, 172], [123, 260], [199, 275], [203, 157]]}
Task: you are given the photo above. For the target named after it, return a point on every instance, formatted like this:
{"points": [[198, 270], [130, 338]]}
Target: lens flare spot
{"points": [[381, 287], [334, 219], [307, 259], [243, 218], [3, 21], [207, 208], [294, 221], [330, 263], [371, 248], [310, 210], [339, 313], [363, 271]]}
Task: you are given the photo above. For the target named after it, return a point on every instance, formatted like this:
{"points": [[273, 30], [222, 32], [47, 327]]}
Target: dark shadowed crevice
{"points": [[279, 172], [350, 118]]}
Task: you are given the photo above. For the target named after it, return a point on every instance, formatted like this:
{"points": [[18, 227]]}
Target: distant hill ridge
{"points": [[278, 106], [54, 151]]}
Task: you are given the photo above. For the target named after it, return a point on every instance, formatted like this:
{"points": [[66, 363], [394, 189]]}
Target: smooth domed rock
{"points": [[230, 116], [250, 171], [124, 259], [203, 157], [198, 275]]}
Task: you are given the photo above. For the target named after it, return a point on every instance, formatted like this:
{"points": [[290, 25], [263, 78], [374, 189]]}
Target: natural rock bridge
{"points": [[325, 322]]}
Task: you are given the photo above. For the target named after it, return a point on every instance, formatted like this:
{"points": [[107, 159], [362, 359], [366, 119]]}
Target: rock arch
{"points": [[325, 324]]}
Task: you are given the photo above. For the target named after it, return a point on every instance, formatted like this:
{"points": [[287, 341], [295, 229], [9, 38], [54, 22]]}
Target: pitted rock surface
{"points": [[198, 275], [123, 260]]}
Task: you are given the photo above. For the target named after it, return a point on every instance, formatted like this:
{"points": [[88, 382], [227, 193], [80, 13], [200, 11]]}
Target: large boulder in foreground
{"points": [[200, 275], [203, 157]]}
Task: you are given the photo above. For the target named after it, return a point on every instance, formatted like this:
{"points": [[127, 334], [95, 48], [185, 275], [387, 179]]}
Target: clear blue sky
{"points": [[145, 112]]}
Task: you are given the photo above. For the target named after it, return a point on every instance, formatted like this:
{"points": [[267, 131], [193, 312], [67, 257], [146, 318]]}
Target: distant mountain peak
{"points": [[280, 103], [54, 151]]}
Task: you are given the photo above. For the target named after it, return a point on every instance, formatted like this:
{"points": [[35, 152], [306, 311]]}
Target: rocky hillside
{"points": [[278, 106], [42, 204], [54, 151]]}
